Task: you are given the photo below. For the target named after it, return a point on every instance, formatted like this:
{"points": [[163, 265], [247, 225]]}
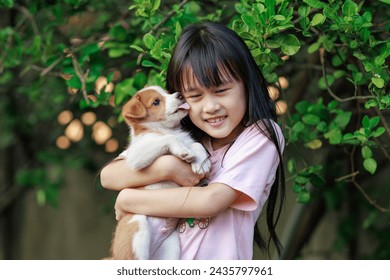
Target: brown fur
{"points": [[146, 106], [122, 247], [140, 108]]}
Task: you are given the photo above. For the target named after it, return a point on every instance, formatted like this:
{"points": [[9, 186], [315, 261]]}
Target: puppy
{"points": [[153, 117]]}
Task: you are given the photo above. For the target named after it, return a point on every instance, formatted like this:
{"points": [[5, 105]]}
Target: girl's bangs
{"points": [[207, 69]]}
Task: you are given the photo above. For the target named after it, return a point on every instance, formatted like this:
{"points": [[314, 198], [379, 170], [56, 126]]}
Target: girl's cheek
{"points": [[193, 117]]}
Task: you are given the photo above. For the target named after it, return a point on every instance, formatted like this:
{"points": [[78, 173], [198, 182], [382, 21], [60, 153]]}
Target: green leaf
{"points": [[249, 21], [314, 47], [311, 119], [148, 63], [366, 122], [322, 126], [314, 144], [6, 77], [138, 48], [280, 17], [115, 53], [378, 82], [297, 188], [318, 19], [334, 136], [333, 104], [370, 165], [149, 40], [359, 55], [314, 3], [110, 76], [338, 74], [91, 49], [323, 84], [156, 5], [40, 197], [156, 52], [350, 8], [291, 45], [74, 82], [301, 180], [371, 103], [374, 121], [291, 166], [178, 30], [303, 11], [379, 132], [366, 152], [343, 119], [372, 217], [298, 127], [7, 3], [303, 197], [302, 106]]}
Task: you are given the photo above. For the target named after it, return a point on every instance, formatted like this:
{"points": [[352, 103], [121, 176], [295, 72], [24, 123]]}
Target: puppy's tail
{"points": [[131, 240]]}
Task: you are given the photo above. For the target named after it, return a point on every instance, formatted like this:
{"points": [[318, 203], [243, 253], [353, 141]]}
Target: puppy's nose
{"points": [[178, 95]]}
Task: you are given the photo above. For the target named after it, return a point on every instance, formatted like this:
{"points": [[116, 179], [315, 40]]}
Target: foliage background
{"points": [[67, 66]]}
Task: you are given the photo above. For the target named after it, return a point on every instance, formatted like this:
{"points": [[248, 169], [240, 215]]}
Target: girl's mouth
{"points": [[216, 121]]}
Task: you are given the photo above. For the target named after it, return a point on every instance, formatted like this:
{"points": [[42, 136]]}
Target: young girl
{"points": [[233, 116]]}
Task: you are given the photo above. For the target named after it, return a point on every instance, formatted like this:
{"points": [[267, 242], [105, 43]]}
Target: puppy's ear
{"points": [[134, 109]]}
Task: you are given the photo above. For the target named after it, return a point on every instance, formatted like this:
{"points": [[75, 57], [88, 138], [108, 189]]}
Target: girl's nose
{"points": [[211, 104]]}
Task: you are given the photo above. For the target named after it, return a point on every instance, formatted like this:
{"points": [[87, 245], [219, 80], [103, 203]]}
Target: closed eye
{"points": [[221, 90], [193, 96]]}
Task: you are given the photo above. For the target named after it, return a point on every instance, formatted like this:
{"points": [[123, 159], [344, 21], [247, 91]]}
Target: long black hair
{"points": [[212, 52]]}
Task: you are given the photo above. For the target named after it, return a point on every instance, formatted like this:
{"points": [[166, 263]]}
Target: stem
{"points": [[80, 74], [355, 97], [167, 17]]}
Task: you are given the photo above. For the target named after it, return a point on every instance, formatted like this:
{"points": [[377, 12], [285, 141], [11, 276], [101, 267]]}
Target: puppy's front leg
{"points": [[146, 150], [201, 163], [176, 148]]}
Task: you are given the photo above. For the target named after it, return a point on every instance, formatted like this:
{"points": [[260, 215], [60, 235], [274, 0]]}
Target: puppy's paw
{"points": [[186, 155], [201, 166]]}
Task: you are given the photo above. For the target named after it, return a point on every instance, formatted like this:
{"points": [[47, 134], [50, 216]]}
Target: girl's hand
{"points": [[178, 171]]}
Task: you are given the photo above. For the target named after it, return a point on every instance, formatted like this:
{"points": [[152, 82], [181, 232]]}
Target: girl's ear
{"points": [[134, 109]]}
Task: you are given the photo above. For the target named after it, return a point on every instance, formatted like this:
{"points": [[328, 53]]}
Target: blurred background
{"points": [[67, 66]]}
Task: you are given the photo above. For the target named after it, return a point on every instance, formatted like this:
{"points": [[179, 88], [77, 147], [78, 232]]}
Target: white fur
{"points": [[164, 137], [141, 239]]}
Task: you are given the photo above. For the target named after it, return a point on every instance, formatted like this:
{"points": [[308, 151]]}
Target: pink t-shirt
{"points": [[248, 166]]}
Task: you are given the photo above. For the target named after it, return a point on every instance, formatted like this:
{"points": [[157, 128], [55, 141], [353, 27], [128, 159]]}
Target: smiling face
{"points": [[218, 111]]}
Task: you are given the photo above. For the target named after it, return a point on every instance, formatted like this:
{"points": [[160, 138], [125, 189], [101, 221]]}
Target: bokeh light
{"points": [[63, 142], [101, 132], [74, 131], [281, 107], [88, 118], [111, 146], [65, 117]]}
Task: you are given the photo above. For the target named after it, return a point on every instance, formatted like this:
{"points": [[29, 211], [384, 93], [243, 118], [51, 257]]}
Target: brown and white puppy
{"points": [[153, 117]]}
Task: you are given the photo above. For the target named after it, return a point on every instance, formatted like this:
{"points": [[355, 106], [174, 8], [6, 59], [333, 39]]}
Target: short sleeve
{"points": [[249, 166]]}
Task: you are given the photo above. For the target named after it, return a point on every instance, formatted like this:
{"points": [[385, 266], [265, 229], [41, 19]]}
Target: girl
{"points": [[233, 116]]}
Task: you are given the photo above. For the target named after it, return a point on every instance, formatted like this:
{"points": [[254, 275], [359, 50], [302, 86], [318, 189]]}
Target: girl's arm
{"points": [[118, 175], [181, 202]]}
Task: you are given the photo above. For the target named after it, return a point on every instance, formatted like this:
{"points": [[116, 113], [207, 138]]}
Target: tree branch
{"points": [[167, 17], [355, 97], [351, 178], [157, 26], [368, 198], [80, 74]]}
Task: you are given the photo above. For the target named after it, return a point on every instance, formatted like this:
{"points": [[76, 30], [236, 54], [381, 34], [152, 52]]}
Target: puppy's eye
{"points": [[156, 102]]}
